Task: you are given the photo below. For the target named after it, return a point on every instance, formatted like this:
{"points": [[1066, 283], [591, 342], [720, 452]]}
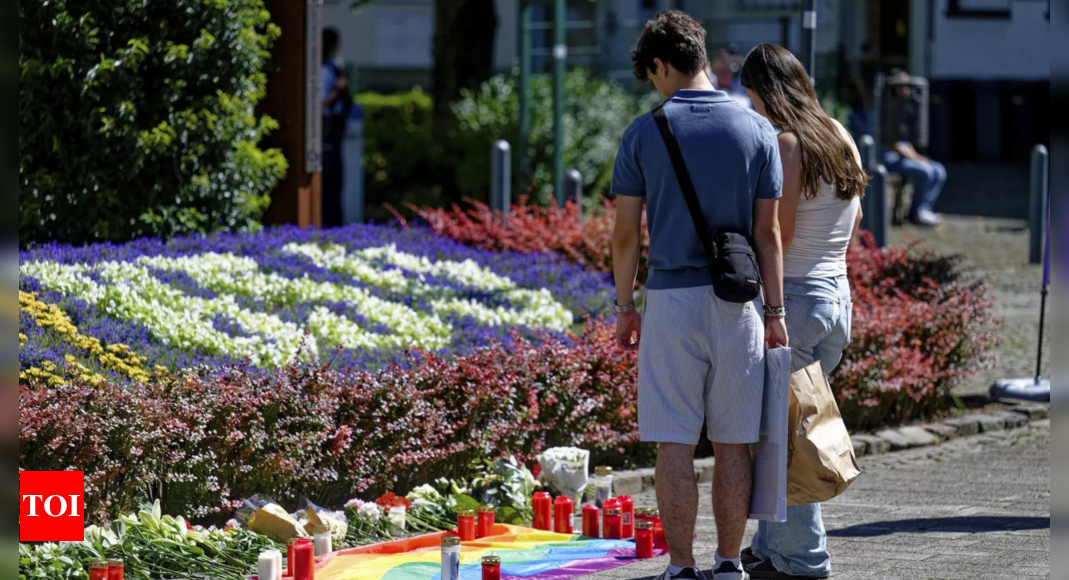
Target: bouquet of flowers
{"points": [[566, 470], [367, 523]]}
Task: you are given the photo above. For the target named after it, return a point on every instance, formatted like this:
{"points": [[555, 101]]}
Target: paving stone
{"points": [[703, 469], [873, 445], [1035, 412], [920, 436], [941, 430], [649, 478], [991, 423], [1014, 420], [627, 483], [967, 426], [898, 441], [938, 513], [861, 448]]}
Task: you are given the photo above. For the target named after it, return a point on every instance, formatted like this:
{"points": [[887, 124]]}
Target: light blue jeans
{"points": [[928, 179], [819, 317]]}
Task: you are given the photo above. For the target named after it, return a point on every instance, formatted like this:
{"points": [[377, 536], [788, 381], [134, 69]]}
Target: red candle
{"points": [[590, 521], [642, 515], [564, 515], [611, 503], [304, 560], [485, 527], [289, 556], [644, 540], [491, 568], [466, 525], [627, 513], [115, 570], [614, 529], [543, 511], [98, 570], [659, 541]]}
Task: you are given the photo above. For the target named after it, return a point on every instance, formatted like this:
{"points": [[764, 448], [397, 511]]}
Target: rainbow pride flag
{"points": [[524, 552]]}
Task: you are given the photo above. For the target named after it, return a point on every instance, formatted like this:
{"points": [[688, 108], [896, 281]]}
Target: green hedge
{"points": [[402, 160], [596, 113], [138, 118], [405, 162]]}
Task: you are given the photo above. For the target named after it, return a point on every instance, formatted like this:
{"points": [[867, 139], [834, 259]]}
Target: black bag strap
{"points": [[685, 184]]}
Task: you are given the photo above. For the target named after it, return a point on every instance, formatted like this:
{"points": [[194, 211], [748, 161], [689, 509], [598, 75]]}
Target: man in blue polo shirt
{"points": [[701, 359]]}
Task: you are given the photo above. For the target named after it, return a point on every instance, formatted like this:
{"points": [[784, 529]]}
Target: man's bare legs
{"points": [[732, 487], [677, 499]]}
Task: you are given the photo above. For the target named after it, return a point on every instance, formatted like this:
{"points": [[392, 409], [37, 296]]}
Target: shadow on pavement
{"points": [[980, 524]]}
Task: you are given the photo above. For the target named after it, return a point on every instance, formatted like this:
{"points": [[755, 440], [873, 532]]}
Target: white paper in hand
{"points": [[770, 454]]}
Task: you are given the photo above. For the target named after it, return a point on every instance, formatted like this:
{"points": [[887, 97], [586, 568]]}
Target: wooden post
{"points": [[293, 97]]}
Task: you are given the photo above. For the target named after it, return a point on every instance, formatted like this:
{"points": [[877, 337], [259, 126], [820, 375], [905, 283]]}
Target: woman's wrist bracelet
{"points": [[775, 312]]}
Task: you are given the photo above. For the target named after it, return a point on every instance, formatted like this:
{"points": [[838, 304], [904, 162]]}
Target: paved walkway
{"points": [[976, 508], [995, 252]]}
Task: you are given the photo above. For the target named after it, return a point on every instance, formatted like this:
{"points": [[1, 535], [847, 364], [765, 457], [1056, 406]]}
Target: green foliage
{"points": [[405, 162], [596, 114], [138, 118], [152, 545], [836, 110], [401, 158]]}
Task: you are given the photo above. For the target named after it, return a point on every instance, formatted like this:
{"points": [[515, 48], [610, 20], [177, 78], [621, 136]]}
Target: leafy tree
{"points": [[138, 118]]}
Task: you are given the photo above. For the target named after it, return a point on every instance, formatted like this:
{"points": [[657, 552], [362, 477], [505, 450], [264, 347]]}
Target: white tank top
{"points": [[822, 230]]}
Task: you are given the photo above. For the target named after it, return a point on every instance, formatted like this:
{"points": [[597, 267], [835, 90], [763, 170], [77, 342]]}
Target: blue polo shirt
{"points": [[732, 154]]}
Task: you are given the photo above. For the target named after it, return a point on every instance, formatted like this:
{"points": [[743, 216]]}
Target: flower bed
{"points": [[201, 443], [357, 297], [919, 329]]}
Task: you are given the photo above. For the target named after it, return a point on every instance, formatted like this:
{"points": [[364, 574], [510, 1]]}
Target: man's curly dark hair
{"points": [[674, 37]]}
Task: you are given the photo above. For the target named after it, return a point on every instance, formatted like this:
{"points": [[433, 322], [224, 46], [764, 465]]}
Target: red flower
{"points": [[536, 471], [392, 500]]}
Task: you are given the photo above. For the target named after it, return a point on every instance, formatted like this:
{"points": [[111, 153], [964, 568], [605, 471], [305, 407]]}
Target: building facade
{"points": [[988, 60]]}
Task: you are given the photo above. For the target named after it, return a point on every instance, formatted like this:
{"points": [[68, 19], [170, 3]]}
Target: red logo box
{"points": [[52, 506]]}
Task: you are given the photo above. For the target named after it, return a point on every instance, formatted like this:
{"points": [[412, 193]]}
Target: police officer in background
{"points": [[337, 104]]}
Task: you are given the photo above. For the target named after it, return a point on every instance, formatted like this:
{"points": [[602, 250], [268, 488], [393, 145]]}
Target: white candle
{"points": [[323, 540], [397, 520], [277, 555], [268, 567]]}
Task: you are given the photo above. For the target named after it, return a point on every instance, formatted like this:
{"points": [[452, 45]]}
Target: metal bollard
{"points": [[1040, 190], [573, 189], [876, 218], [501, 176], [869, 156]]}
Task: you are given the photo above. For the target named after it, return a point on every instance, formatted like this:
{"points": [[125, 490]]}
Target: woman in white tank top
{"points": [[819, 215]]}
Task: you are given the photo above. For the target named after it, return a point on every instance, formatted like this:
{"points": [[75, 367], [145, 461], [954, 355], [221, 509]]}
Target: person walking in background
{"points": [[701, 359], [901, 157], [819, 216], [337, 104]]}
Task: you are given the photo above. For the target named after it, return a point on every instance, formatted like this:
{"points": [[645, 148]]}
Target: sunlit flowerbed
{"points": [[361, 296]]}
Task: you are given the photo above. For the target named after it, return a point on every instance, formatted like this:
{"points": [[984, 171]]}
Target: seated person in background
{"points": [[901, 157]]}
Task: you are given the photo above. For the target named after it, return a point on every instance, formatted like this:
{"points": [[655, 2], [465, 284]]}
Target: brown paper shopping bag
{"points": [[821, 457]]}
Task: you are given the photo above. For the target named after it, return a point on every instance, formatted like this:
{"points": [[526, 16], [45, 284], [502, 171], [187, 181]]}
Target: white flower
{"points": [[370, 511]]}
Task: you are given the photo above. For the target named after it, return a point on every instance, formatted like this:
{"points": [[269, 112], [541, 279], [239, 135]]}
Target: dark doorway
{"points": [[892, 29]]}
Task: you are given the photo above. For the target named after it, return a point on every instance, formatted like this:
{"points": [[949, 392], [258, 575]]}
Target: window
{"points": [[995, 9]]}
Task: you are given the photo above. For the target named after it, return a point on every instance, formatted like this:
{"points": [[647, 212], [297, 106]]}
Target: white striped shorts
{"points": [[701, 362]]}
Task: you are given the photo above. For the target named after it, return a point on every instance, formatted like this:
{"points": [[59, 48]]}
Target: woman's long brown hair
{"points": [[791, 101]]}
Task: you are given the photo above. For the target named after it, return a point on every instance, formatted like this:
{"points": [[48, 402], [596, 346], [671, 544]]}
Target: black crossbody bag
{"points": [[730, 254]]}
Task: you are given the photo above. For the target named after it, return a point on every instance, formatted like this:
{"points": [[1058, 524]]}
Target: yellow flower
{"points": [[116, 357]]}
